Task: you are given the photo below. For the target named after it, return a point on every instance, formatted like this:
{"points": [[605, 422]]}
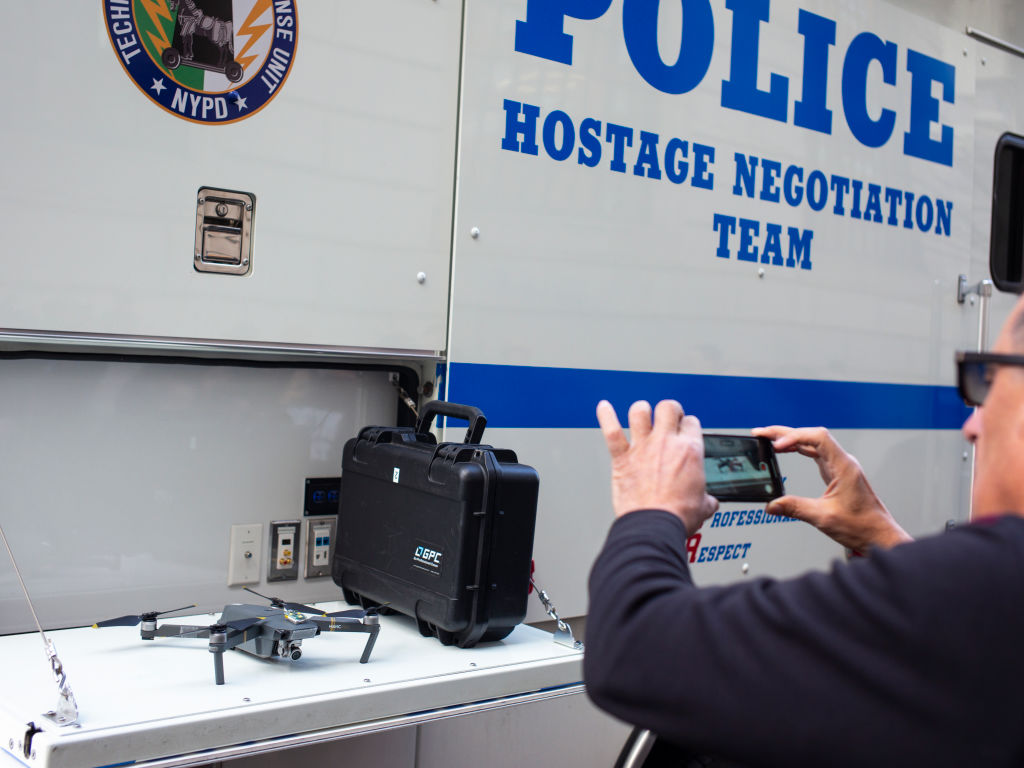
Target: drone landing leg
{"points": [[218, 667], [368, 648]]}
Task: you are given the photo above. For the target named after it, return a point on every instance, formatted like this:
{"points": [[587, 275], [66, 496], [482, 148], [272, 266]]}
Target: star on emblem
{"points": [[158, 86], [240, 103]]}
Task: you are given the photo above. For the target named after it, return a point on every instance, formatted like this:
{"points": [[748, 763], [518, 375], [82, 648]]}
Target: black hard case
{"points": [[440, 532]]}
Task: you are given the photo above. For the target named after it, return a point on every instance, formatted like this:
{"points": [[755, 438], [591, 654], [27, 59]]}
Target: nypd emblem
{"points": [[206, 61]]}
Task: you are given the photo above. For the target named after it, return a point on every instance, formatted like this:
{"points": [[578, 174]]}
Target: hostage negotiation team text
{"points": [[866, 57], [594, 142]]}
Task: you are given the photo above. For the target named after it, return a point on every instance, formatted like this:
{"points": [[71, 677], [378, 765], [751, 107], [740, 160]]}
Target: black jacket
{"points": [[910, 657]]}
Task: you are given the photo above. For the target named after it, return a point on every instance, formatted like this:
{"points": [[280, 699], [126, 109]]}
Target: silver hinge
{"points": [[982, 289]]}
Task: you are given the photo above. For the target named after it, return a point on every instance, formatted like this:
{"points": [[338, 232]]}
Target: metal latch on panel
{"points": [[224, 231]]}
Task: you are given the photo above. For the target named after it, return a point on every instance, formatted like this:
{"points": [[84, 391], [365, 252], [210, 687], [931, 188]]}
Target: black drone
{"points": [[265, 632]]}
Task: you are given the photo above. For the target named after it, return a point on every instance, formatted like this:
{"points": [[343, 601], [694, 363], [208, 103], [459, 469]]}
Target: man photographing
{"points": [[913, 656]]}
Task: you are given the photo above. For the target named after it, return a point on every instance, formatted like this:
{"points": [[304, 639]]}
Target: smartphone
{"points": [[741, 468]]}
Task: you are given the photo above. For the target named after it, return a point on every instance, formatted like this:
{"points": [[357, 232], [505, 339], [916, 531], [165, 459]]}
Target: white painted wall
{"points": [[120, 480]]}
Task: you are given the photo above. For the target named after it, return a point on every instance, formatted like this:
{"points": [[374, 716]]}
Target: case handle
{"points": [[475, 417]]}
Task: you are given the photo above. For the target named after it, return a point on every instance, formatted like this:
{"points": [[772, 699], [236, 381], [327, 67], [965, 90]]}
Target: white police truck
{"points": [[236, 231]]}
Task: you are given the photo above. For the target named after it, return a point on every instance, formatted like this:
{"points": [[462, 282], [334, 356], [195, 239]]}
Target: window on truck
{"points": [[1006, 259]]}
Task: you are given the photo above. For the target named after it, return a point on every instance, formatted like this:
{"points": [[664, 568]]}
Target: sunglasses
{"points": [[975, 371]]}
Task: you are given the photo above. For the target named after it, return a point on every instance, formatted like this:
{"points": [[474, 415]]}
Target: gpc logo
{"points": [[424, 556]]}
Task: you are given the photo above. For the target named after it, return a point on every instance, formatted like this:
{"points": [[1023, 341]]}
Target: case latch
{"points": [[224, 231]]}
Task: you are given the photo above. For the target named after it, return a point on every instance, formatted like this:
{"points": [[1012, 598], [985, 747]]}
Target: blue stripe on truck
{"points": [[515, 396]]}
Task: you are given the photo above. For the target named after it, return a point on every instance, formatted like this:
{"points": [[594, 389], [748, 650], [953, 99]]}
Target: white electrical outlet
{"points": [[244, 554]]}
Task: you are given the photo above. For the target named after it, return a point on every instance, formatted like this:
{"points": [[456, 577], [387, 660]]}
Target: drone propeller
{"points": [[277, 602], [134, 621]]}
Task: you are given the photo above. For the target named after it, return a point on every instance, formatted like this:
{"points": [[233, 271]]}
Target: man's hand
{"points": [[849, 511], [663, 468]]}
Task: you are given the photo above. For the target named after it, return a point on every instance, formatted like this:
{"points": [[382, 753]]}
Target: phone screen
{"points": [[741, 468]]}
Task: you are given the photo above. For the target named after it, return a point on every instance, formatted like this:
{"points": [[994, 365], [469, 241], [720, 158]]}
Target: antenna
{"points": [[66, 712]]}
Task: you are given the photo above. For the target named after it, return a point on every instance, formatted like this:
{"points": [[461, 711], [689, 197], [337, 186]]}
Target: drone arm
{"points": [[178, 630], [368, 648], [339, 624], [370, 624], [224, 638], [236, 637]]}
